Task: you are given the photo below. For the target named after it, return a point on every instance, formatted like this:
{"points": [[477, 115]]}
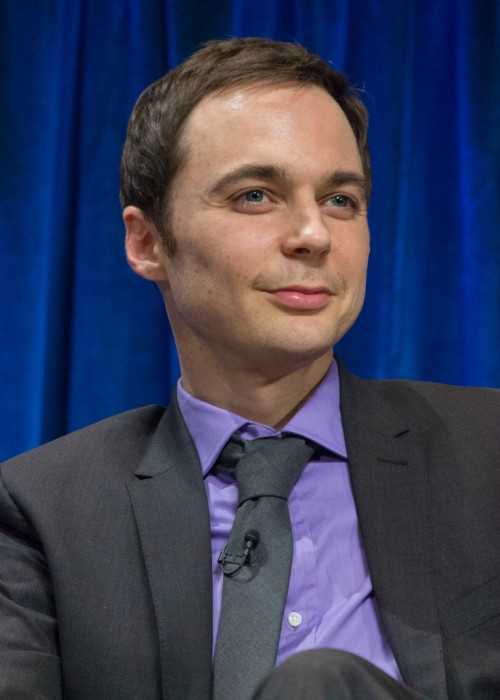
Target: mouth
{"points": [[302, 297]]}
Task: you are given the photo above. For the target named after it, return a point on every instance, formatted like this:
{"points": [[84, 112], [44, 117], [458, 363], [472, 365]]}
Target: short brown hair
{"points": [[152, 155]]}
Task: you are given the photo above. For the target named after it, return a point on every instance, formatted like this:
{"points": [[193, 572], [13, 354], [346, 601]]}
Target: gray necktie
{"points": [[256, 561]]}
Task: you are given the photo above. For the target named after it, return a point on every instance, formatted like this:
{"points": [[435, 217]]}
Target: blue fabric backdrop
{"points": [[82, 338]]}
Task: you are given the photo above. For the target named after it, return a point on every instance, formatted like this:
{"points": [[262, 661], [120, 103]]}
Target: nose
{"points": [[308, 235]]}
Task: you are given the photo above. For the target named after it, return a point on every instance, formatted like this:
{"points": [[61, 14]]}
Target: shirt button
{"points": [[294, 619]]}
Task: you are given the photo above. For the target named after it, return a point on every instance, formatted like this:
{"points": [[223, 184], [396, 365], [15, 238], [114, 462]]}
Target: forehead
{"points": [[302, 125]]}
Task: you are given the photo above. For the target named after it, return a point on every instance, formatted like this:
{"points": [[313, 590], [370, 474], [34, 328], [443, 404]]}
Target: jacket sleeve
{"points": [[30, 667]]}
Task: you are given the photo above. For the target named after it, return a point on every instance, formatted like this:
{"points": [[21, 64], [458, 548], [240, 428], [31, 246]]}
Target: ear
{"points": [[143, 245]]}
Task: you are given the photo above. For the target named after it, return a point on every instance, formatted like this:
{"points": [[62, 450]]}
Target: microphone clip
{"points": [[232, 562]]}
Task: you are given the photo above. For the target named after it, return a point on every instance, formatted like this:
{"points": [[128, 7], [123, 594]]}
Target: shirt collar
{"points": [[318, 419]]}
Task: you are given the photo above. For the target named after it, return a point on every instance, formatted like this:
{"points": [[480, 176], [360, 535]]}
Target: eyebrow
{"points": [[279, 175]]}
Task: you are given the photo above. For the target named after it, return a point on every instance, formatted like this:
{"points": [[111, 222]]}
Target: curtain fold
{"points": [[83, 338]]}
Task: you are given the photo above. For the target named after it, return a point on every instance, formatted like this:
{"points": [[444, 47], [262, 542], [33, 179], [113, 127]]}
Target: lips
{"points": [[303, 298]]}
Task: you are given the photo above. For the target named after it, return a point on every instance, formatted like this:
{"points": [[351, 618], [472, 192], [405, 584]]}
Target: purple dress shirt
{"points": [[330, 599]]}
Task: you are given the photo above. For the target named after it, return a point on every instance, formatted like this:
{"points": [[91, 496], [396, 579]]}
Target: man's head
{"points": [[261, 178], [153, 152]]}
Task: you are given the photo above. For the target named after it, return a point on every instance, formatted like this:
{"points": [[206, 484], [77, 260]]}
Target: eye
{"points": [[254, 201], [341, 206], [253, 196], [343, 200]]}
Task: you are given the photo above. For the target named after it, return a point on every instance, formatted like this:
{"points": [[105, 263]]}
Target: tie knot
{"points": [[265, 466]]}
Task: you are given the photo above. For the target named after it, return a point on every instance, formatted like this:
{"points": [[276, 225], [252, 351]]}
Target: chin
{"points": [[300, 352]]}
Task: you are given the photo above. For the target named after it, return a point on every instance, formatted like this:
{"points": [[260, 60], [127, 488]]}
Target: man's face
{"points": [[270, 196]]}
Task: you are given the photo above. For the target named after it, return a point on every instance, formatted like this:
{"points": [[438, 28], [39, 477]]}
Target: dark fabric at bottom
{"points": [[330, 674]]}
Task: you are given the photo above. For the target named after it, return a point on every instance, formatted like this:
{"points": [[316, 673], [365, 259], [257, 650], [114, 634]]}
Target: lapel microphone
{"points": [[232, 562]]}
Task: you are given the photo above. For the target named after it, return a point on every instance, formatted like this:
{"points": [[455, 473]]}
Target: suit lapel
{"points": [[389, 471], [171, 511]]}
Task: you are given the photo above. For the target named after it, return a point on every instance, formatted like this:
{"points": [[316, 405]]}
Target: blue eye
{"points": [[253, 202], [254, 196], [341, 200]]}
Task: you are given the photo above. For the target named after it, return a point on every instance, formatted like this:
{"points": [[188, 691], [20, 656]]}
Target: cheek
{"points": [[230, 260], [209, 275], [351, 257], [357, 251], [351, 266]]}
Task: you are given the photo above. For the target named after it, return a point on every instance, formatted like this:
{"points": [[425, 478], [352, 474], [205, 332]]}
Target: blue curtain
{"points": [[82, 338]]}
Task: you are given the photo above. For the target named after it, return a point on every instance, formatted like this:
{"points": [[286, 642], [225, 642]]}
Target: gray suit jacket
{"points": [[105, 570]]}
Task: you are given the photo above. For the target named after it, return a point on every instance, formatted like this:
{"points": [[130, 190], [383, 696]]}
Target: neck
{"points": [[270, 397]]}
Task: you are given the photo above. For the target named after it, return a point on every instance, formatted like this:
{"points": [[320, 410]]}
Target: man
{"points": [[245, 184]]}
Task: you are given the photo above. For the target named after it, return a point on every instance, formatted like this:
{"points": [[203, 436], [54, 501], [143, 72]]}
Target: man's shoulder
{"points": [[448, 403], [437, 393], [119, 440], [419, 404]]}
